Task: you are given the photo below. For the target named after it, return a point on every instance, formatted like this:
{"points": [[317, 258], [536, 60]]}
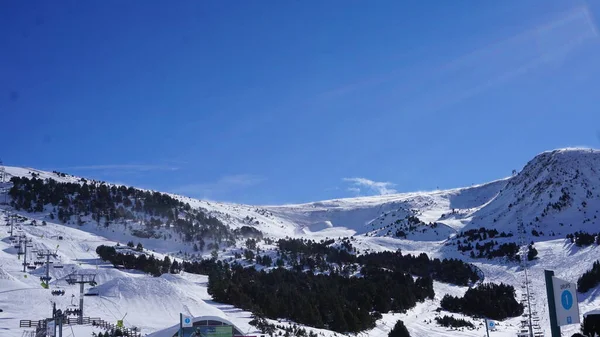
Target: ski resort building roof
{"points": [[198, 322]]}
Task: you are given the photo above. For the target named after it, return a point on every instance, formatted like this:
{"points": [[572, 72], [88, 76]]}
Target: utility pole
{"points": [[82, 280]]}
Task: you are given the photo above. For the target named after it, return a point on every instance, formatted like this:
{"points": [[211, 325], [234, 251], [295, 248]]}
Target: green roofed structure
{"points": [[203, 326]]}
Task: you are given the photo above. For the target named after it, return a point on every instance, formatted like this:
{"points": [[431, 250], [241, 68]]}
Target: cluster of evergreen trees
{"points": [[302, 253], [496, 301], [447, 270], [591, 325], [152, 265], [481, 234], [583, 239], [112, 333], [342, 304], [490, 249], [410, 224], [248, 232], [108, 204], [486, 250], [332, 301], [147, 264], [589, 279], [531, 252], [451, 322], [289, 331]]}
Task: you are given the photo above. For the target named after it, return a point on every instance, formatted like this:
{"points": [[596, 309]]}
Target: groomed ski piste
{"points": [[154, 303]]}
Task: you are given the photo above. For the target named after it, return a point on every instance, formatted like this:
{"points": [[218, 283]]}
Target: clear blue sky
{"points": [[291, 101]]}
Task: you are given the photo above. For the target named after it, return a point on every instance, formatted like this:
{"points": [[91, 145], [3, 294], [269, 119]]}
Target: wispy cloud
{"points": [[542, 48], [122, 167], [221, 187], [361, 186]]}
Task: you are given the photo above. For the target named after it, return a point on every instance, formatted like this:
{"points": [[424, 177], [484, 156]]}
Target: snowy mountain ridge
{"points": [[555, 194]]}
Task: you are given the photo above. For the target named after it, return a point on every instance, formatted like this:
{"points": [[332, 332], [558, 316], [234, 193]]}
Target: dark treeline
{"points": [[289, 331], [495, 301], [312, 255], [589, 279], [490, 249], [451, 322], [108, 204], [152, 265], [332, 300], [583, 239], [342, 304], [486, 250], [447, 270], [481, 234]]}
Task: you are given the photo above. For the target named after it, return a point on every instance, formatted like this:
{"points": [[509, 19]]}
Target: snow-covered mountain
{"points": [[555, 194]]}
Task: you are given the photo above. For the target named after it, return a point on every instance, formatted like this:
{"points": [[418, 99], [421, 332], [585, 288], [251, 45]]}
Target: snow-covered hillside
{"points": [[555, 194]]}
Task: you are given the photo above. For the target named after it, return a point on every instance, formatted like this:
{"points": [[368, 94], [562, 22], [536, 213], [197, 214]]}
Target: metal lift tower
{"points": [[82, 280]]}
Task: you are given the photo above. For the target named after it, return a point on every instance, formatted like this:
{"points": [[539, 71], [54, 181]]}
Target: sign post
{"points": [[562, 302], [51, 328], [489, 325], [180, 325], [567, 308], [185, 322]]}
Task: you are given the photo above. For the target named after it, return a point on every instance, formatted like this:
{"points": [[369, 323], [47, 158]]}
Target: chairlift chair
{"points": [[92, 292], [58, 292]]}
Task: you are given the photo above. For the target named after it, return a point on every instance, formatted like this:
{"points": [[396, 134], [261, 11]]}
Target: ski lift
{"points": [[58, 292], [58, 265], [45, 279], [72, 309], [72, 312]]}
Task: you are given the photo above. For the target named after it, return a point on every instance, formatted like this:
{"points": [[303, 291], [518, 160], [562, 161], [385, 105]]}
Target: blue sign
{"points": [[187, 320], [566, 299], [492, 324]]}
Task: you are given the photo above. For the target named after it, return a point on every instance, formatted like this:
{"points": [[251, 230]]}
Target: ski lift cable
{"points": [[104, 304], [115, 316]]}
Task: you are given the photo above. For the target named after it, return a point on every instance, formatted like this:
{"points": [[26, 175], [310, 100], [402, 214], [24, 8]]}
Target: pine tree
{"points": [[399, 330], [166, 265]]}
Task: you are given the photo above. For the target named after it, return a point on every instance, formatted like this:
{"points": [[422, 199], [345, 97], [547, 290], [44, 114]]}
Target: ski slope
{"points": [[152, 304]]}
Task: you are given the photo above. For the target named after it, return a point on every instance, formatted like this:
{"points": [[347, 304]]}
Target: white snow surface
{"points": [[152, 304]]}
